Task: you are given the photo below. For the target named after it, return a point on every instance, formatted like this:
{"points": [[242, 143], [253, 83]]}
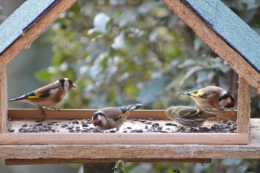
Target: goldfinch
{"points": [[47, 96], [112, 117], [212, 97], [189, 116]]}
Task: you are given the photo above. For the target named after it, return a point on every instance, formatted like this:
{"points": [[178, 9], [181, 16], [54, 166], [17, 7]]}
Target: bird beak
{"points": [[73, 86]]}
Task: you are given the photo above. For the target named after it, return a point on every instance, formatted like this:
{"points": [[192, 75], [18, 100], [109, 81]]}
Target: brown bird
{"points": [[212, 97], [189, 116], [112, 117], [47, 96]]}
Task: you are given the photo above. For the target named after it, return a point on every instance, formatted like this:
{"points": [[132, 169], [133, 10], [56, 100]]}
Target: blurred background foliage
{"points": [[122, 51], [127, 51]]}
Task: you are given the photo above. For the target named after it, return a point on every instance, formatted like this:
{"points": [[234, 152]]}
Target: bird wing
{"points": [[114, 113], [195, 94], [125, 109], [44, 92], [189, 112], [30, 95], [37, 94], [199, 94]]}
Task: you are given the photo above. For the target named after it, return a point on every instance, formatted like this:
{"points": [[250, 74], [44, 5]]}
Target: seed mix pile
{"points": [[130, 126]]}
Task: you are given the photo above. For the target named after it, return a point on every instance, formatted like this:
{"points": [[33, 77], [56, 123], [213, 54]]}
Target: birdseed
{"points": [[129, 126]]}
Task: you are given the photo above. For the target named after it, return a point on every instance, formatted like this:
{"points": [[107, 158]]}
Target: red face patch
{"points": [[231, 105], [97, 122]]}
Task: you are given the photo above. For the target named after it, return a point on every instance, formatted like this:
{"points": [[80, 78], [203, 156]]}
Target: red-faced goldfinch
{"points": [[189, 116], [212, 97], [112, 117], [47, 96]]}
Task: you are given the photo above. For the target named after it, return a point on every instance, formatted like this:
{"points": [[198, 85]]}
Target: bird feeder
{"points": [[219, 27]]}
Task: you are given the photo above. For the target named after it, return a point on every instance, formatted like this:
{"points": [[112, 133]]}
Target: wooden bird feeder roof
{"points": [[216, 24]]}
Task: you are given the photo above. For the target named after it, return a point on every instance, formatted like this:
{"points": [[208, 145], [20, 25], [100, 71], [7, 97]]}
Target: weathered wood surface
{"points": [[243, 106], [137, 153], [3, 99], [87, 113], [38, 28], [86, 160], [218, 45], [122, 138]]}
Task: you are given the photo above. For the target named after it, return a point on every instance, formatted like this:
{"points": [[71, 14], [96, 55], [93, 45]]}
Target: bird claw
{"points": [[54, 108], [48, 108]]}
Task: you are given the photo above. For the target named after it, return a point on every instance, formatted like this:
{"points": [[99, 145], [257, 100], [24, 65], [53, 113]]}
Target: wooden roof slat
{"points": [[21, 21], [230, 27]]}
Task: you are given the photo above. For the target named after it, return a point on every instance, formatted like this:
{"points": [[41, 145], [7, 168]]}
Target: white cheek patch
{"points": [[225, 102], [103, 119], [66, 85]]}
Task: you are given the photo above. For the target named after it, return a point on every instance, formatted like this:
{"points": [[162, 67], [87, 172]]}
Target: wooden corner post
{"points": [[243, 106], [3, 99]]}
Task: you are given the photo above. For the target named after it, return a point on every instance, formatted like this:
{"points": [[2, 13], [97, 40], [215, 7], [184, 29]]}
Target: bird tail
{"points": [[130, 107], [15, 99], [125, 109], [134, 106]]}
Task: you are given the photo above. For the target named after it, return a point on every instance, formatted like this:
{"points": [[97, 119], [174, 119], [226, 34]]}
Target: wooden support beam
{"points": [[243, 106], [123, 138], [88, 160], [87, 114], [3, 100], [34, 32], [235, 60]]}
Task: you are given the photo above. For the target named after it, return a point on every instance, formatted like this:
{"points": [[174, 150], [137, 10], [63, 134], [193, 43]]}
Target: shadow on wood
{"points": [[98, 167]]}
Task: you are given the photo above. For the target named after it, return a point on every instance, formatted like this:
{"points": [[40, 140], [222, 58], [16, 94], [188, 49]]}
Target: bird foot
{"points": [[42, 111]]}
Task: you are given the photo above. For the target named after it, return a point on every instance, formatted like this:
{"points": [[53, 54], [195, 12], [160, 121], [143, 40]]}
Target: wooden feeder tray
{"points": [[111, 143]]}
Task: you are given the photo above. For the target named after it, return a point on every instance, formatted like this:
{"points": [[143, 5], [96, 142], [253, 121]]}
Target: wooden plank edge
{"points": [[125, 139], [83, 160], [218, 45], [243, 105], [87, 114]]}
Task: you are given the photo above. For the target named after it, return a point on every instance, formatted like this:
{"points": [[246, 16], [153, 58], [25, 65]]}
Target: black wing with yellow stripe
{"points": [[30, 95]]}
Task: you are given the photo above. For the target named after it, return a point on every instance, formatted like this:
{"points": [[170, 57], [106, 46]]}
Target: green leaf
{"points": [[43, 75], [187, 63]]}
